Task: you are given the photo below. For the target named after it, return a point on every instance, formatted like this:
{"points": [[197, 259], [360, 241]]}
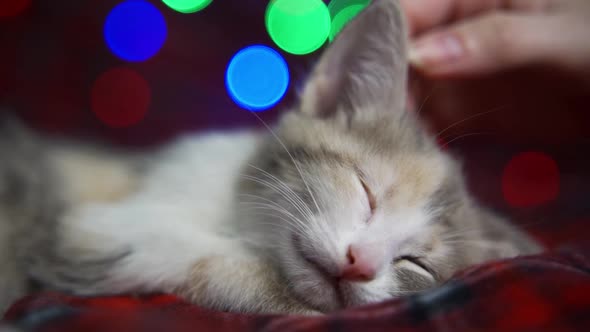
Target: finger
{"points": [[427, 14], [490, 43]]}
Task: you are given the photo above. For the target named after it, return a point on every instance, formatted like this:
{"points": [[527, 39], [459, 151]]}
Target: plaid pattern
{"points": [[550, 292]]}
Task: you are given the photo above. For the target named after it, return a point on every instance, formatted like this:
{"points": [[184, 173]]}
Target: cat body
{"points": [[177, 205], [346, 201]]}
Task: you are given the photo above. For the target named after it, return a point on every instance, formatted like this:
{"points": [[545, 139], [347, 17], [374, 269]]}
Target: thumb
{"points": [[489, 43]]}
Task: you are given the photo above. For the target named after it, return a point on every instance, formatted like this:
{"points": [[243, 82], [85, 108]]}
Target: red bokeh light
{"points": [[120, 97], [9, 8], [530, 179]]}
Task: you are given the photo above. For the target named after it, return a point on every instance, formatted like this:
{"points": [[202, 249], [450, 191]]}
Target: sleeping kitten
{"points": [[346, 201]]}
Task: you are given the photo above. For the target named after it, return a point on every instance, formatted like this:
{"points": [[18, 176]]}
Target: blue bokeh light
{"points": [[135, 30], [257, 78]]}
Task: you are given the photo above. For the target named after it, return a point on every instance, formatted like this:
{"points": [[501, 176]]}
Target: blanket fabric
{"points": [[549, 292]]}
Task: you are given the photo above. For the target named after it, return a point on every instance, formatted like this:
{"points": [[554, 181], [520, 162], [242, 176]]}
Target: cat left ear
{"points": [[365, 66]]}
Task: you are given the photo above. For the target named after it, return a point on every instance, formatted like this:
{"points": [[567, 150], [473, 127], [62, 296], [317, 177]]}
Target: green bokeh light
{"points": [[298, 26], [342, 12], [187, 6]]}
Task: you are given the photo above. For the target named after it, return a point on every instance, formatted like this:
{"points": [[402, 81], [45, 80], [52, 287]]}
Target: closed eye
{"points": [[417, 261], [370, 197]]}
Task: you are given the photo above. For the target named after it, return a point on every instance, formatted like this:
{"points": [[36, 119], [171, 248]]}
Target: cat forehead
{"points": [[375, 144], [385, 134]]}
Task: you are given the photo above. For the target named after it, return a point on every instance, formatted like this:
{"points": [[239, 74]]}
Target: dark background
{"points": [[53, 51]]}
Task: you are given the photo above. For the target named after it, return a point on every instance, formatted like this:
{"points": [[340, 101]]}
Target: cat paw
{"points": [[77, 257]]}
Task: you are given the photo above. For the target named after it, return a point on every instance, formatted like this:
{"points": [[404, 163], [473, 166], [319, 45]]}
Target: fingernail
{"points": [[436, 50]]}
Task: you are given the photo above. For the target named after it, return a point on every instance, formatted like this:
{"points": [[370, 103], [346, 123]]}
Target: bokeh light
{"points": [[298, 26], [257, 77], [135, 30], [342, 12], [187, 6], [9, 8], [120, 97], [530, 179]]}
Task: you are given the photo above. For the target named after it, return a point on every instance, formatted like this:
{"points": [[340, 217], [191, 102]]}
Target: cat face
{"points": [[353, 196], [362, 209]]}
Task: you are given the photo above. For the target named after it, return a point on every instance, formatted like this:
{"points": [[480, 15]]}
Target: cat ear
{"points": [[365, 67]]}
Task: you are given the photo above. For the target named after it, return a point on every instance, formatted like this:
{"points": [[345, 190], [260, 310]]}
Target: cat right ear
{"points": [[365, 67]]}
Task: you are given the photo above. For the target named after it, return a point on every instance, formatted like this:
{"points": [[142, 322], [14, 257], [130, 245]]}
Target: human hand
{"points": [[465, 37], [522, 78]]}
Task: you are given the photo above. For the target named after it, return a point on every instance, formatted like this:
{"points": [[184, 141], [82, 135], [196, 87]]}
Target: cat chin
{"points": [[321, 296], [315, 290], [328, 297]]}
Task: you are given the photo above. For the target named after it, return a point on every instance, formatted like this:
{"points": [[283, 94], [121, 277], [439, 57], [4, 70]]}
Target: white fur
{"points": [[179, 214]]}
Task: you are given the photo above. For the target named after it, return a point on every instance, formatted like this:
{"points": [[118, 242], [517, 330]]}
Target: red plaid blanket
{"points": [[549, 292]]}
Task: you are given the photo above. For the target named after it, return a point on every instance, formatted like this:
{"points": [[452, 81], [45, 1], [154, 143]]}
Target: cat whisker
{"points": [[426, 100], [292, 159], [286, 187], [461, 235], [276, 206], [292, 220], [497, 109], [477, 243], [292, 200], [468, 135], [274, 228], [463, 231], [288, 199]]}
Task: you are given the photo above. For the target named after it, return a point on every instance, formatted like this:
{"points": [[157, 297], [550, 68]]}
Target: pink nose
{"points": [[359, 267]]}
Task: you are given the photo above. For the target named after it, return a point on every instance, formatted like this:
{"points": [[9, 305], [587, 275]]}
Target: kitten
{"points": [[346, 201]]}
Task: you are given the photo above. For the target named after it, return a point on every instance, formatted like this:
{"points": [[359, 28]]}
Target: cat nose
{"points": [[359, 267]]}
